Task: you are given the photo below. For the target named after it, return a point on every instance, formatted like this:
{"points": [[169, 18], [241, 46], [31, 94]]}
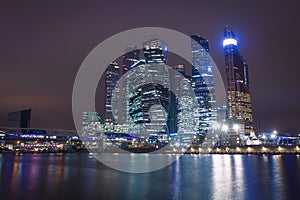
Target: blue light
{"points": [[229, 41]]}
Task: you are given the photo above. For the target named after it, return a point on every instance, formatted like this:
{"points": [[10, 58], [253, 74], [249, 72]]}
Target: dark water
{"points": [[80, 176]]}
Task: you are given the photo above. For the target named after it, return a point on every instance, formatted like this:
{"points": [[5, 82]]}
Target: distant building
{"points": [[19, 119], [237, 84]]}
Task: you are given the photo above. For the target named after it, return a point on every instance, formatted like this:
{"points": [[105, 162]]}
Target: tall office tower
{"points": [[130, 57], [203, 84], [149, 89], [111, 78], [187, 109], [155, 51], [238, 92], [175, 80]]}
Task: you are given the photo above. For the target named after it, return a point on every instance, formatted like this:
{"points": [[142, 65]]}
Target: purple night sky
{"points": [[43, 43]]}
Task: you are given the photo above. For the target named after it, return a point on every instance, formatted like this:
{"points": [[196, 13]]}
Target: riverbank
{"points": [[273, 150], [251, 150]]}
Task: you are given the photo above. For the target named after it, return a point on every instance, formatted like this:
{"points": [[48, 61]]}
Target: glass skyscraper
{"points": [[140, 100], [203, 84], [112, 75], [149, 90], [237, 83]]}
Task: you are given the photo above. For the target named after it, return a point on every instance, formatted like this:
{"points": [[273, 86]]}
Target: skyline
{"points": [[60, 42]]}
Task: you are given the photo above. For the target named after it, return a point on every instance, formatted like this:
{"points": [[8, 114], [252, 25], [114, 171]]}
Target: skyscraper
{"points": [[149, 89], [112, 75], [237, 80], [175, 83], [130, 57], [155, 51], [203, 84]]}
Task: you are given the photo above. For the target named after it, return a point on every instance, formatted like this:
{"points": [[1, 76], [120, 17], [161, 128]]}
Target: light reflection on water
{"points": [[228, 178], [80, 176]]}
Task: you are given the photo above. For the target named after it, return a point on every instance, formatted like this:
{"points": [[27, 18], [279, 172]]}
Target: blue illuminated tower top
{"points": [[237, 83], [229, 38]]}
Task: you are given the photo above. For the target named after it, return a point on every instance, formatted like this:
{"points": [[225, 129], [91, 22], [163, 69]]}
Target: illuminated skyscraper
{"points": [[175, 83], [238, 92], [155, 51], [203, 84], [112, 75], [130, 57], [149, 89], [188, 109]]}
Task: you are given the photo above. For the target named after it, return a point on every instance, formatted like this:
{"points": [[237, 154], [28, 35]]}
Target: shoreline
{"points": [[229, 151]]}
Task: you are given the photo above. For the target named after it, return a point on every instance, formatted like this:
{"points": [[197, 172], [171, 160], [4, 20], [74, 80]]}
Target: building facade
{"points": [[112, 75], [149, 90], [203, 84], [237, 84]]}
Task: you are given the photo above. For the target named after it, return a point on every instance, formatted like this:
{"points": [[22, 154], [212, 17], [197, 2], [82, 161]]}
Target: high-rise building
{"points": [[187, 109], [237, 84], [149, 89], [130, 57], [155, 51], [203, 84], [176, 75], [112, 76]]}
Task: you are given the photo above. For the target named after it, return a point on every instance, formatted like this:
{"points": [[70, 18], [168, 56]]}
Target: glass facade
{"points": [[112, 76], [149, 90], [203, 84]]}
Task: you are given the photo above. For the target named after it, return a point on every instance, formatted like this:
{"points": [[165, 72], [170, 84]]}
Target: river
{"points": [[81, 176]]}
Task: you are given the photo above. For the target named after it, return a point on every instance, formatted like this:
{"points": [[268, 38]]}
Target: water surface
{"points": [[81, 176]]}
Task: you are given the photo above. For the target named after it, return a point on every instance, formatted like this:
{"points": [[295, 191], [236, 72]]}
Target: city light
{"points": [[273, 136], [229, 41], [236, 127], [216, 125], [225, 127]]}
